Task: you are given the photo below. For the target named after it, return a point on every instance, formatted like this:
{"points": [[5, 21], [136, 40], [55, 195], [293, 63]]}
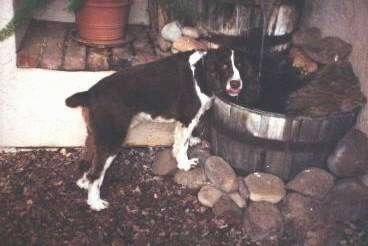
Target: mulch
{"points": [[40, 204]]}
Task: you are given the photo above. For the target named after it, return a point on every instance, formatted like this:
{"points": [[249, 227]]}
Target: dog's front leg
{"points": [[181, 142]]}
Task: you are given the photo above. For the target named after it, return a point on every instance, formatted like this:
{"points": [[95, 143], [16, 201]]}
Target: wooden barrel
{"points": [[254, 140]]}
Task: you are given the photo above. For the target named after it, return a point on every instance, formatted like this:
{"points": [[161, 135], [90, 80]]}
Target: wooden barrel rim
{"points": [[284, 116]]}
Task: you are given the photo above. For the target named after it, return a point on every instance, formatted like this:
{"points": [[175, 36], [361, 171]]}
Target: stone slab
{"points": [[75, 55], [30, 53], [54, 38]]}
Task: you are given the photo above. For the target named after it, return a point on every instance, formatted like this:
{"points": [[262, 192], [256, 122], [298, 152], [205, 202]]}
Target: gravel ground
{"points": [[41, 205]]}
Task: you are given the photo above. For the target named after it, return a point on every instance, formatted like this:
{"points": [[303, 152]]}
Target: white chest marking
{"points": [[182, 133], [204, 99]]}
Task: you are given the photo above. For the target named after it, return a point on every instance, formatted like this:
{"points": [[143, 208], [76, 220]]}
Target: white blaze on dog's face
{"points": [[234, 84]]}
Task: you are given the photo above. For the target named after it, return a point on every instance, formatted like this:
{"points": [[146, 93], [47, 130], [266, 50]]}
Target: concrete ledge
{"points": [[33, 113]]}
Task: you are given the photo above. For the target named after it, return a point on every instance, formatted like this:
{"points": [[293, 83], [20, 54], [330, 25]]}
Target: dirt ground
{"points": [[40, 204]]}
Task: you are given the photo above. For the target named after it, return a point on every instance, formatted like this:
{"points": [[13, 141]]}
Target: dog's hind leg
{"points": [[94, 198], [85, 162], [108, 133]]}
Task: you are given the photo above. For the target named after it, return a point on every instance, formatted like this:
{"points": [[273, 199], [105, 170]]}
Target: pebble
{"points": [[227, 207], [328, 50], [302, 62], [314, 182], [265, 187], [236, 197], [350, 157], [221, 174], [242, 188], [192, 179], [261, 220], [208, 195], [165, 163], [191, 32], [348, 200], [171, 31], [187, 44]]}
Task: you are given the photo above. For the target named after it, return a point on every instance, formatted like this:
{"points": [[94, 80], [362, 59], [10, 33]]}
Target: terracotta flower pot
{"points": [[103, 22]]}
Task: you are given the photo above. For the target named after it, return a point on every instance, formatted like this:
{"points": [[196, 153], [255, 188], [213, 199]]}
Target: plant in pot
{"points": [[21, 16], [101, 22]]}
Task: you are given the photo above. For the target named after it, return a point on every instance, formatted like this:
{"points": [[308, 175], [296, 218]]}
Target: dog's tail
{"points": [[78, 99]]}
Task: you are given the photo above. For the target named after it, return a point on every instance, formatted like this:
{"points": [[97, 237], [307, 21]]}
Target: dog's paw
{"points": [[98, 204], [83, 182], [188, 164], [193, 141]]}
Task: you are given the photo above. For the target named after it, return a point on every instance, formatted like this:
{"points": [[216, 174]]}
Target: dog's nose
{"points": [[234, 84]]}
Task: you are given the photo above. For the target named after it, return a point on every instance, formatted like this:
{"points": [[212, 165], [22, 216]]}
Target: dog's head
{"points": [[223, 70]]}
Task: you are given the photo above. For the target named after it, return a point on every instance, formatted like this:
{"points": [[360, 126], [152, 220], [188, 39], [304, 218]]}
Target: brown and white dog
{"points": [[180, 87]]}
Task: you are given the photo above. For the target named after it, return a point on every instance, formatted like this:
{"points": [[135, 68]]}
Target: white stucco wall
{"points": [[32, 109], [56, 11]]}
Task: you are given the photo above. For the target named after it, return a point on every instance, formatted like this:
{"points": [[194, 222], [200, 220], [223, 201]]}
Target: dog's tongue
{"points": [[233, 92]]}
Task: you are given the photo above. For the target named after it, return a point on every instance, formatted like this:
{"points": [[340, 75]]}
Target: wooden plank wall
{"points": [[347, 20]]}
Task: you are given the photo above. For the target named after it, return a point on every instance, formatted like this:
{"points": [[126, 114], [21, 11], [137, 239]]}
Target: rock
{"points": [[165, 163], [306, 221], [208, 195], [348, 200], [148, 133], [263, 219], [334, 88], [227, 209], [171, 31], [174, 51], [210, 45], [302, 62], [242, 188], [314, 182], [186, 44], [191, 32], [192, 179], [163, 44], [225, 204], [350, 157], [236, 197], [328, 50], [221, 174], [300, 212], [265, 187], [201, 153], [307, 36]]}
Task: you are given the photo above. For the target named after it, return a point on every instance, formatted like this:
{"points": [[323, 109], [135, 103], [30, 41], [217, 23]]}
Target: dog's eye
{"points": [[225, 66]]}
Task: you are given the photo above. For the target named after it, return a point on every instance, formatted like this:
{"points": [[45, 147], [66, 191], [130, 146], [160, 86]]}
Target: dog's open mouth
{"points": [[233, 92]]}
